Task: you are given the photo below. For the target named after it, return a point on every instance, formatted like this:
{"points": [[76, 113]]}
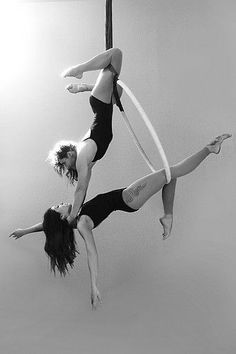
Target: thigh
{"points": [[104, 86], [141, 190]]}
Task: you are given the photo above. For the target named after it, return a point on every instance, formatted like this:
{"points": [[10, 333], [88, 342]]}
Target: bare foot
{"points": [[76, 88], [166, 221], [73, 71], [215, 145]]}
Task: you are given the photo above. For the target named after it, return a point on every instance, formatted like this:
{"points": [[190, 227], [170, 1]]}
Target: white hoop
{"points": [[151, 131]]}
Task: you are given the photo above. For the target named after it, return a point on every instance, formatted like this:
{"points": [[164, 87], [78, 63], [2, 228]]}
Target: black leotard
{"points": [[100, 207], [101, 129]]}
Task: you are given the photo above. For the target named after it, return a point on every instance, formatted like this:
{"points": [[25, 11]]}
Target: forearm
{"points": [[93, 268], [21, 232], [77, 203], [34, 228], [92, 258]]}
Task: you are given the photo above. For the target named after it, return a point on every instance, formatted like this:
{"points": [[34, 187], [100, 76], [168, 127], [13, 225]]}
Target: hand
{"points": [[95, 298], [17, 233]]}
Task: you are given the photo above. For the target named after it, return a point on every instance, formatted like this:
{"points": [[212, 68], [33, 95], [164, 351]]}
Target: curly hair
{"points": [[59, 152], [60, 244]]}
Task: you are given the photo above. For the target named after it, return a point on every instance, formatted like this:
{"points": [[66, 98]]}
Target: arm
{"points": [[21, 232], [84, 173], [92, 258]]}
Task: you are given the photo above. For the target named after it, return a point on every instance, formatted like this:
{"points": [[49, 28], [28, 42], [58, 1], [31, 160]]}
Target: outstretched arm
{"points": [[21, 232], [92, 257]]}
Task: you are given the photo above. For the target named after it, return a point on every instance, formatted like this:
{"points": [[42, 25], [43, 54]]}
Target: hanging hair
{"points": [[59, 152], [60, 244]]}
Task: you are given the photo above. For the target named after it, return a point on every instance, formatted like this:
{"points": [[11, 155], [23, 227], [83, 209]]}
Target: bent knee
{"points": [[117, 51]]}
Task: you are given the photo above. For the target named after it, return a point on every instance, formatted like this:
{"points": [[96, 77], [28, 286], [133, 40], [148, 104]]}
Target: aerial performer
{"points": [[60, 244], [76, 160]]}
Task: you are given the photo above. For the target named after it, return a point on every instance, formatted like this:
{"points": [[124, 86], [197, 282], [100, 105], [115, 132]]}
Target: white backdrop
{"points": [[169, 297]]}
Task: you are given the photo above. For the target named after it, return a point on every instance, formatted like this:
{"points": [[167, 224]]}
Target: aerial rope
{"points": [[109, 44]]}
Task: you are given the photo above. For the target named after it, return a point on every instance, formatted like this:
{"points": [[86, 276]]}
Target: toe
{"points": [[69, 87]]}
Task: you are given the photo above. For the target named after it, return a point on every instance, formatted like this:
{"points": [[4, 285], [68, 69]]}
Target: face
{"points": [[63, 209], [69, 161]]}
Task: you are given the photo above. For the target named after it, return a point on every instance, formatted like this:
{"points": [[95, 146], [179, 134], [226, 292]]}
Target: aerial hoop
{"points": [[156, 140], [151, 130]]}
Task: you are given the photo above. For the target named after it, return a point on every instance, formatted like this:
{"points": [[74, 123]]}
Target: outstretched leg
{"points": [[140, 191], [109, 62], [188, 165]]}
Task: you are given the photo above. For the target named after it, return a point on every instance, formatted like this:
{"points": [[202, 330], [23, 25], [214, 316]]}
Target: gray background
{"points": [[168, 297]]}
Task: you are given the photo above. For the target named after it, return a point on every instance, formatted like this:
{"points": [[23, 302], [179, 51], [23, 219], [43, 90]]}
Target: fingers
{"points": [[14, 235], [95, 300], [94, 303], [69, 87], [99, 298]]}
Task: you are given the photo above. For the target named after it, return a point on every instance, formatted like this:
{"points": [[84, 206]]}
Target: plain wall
{"points": [[169, 297]]}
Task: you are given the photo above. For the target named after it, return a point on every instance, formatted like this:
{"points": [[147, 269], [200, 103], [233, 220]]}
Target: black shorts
{"points": [[101, 129]]}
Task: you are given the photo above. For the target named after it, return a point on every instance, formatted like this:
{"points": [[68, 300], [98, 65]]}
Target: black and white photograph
{"points": [[118, 175]]}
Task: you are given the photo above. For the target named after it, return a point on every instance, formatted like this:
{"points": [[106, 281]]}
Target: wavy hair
{"points": [[59, 152], [60, 244]]}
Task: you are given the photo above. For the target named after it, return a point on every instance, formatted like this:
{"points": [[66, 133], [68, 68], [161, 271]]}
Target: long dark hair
{"points": [[60, 244]]}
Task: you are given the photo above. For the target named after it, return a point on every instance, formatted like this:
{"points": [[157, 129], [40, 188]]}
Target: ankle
{"points": [[168, 216]]}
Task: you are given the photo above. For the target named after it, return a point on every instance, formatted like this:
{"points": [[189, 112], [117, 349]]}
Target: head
{"points": [[63, 159], [60, 243]]}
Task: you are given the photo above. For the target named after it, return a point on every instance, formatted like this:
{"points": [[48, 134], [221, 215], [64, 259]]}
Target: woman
{"points": [[60, 242], [76, 160]]}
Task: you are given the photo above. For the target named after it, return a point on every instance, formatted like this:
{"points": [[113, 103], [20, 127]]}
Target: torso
{"points": [[89, 148], [100, 131], [100, 207]]}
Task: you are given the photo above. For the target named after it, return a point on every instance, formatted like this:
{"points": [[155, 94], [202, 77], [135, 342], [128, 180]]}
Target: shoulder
{"points": [[86, 151], [85, 223]]}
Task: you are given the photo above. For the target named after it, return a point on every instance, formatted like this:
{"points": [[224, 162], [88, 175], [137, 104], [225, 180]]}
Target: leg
{"points": [[168, 194], [111, 56], [140, 191], [168, 191], [77, 88], [104, 84]]}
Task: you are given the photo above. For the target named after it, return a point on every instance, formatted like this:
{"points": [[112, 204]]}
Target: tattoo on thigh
{"points": [[132, 193]]}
